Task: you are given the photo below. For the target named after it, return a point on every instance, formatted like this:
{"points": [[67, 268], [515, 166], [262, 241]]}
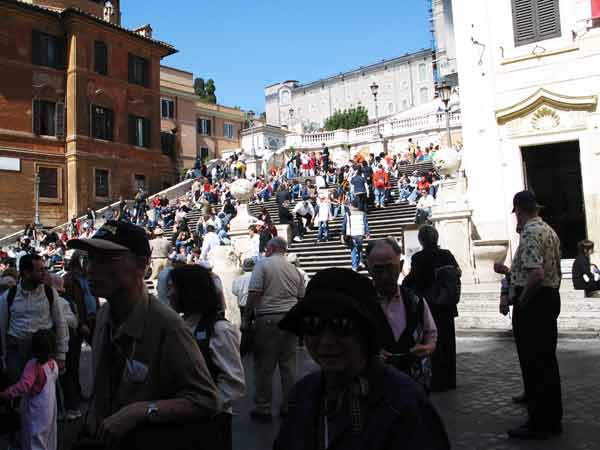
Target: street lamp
{"points": [[374, 89], [251, 121], [36, 180], [445, 92], [291, 111]]}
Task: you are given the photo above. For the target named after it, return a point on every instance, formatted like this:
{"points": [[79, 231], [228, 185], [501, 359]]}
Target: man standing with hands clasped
{"points": [[535, 282]]}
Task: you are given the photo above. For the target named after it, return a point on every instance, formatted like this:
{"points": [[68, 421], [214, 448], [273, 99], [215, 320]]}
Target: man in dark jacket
{"points": [[287, 218], [421, 278], [354, 401]]}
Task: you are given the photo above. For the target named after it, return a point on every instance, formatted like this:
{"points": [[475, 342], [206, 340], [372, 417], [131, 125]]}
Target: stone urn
{"points": [[485, 254], [447, 162], [242, 190]]}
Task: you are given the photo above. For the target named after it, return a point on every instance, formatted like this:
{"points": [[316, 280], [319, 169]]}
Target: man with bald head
{"points": [[275, 287], [408, 331]]}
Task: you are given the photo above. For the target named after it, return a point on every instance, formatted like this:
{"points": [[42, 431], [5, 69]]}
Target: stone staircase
{"points": [[388, 221]]}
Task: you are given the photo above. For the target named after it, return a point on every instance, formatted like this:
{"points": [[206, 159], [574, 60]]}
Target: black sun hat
{"points": [[115, 236], [525, 200], [337, 291]]}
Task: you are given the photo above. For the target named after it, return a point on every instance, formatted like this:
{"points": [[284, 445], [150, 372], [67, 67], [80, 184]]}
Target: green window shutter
{"points": [[208, 127], [146, 129], [61, 53], [35, 47], [548, 19], [110, 118], [131, 69], [60, 120], [132, 131], [524, 21], [37, 117]]}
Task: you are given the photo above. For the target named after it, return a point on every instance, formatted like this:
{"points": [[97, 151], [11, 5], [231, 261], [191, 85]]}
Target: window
{"points": [[405, 104], [424, 94], [167, 143], [202, 153], [139, 131], [167, 108], [102, 123], [228, 130], [101, 183], [100, 58], [422, 72], [44, 118], [204, 127], [139, 182], [139, 70], [49, 188], [535, 20], [390, 108], [48, 50]]}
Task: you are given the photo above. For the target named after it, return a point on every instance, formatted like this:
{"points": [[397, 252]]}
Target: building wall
{"points": [[78, 87], [504, 75], [402, 85], [89, 6]]}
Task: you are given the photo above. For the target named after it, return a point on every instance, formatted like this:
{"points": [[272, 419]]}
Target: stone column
{"points": [[72, 110]]}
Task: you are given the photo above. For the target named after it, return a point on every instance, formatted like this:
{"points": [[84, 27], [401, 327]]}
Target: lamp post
{"points": [[374, 90], [251, 121], [36, 180], [291, 112], [445, 92]]}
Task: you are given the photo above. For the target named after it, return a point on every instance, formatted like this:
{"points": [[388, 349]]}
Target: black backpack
{"points": [[446, 286], [203, 333]]}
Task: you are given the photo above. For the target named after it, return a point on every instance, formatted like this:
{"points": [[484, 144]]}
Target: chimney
{"points": [[145, 31], [108, 11]]}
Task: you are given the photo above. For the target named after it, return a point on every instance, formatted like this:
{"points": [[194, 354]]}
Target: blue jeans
{"points": [[323, 231], [379, 196], [357, 243], [414, 196], [334, 210]]}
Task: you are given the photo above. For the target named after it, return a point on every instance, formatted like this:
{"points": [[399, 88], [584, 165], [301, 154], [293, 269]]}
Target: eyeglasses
{"points": [[340, 326]]}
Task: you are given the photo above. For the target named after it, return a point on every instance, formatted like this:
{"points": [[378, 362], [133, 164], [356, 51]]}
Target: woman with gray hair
{"points": [[430, 268]]}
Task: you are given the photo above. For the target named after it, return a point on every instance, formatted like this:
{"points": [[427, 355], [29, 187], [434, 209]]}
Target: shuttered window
{"points": [[102, 123], [535, 20], [101, 183], [139, 70], [139, 131], [44, 118], [204, 127], [48, 182], [100, 58], [48, 50]]}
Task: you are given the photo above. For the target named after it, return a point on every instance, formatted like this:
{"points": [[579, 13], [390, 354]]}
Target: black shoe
{"points": [[520, 398], [260, 416], [525, 432]]}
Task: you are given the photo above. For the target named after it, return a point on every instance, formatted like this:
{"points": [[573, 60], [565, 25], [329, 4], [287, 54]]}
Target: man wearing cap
{"points": [[275, 287], [151, 381], [239, 286], [304, 211], [535, 283], [354, 401], [161, 248]]}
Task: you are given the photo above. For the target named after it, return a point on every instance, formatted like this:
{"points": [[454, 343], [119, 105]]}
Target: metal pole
{"points": [[37, 198], [448, 125], [376, 115]]}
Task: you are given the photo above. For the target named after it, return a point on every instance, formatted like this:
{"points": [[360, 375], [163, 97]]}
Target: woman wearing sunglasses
{"points": [[355, 401]]}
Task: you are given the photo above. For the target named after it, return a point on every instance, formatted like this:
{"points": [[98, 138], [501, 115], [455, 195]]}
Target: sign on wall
{"points": [[11, 164]]}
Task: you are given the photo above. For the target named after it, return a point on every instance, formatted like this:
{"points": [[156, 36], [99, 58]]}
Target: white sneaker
{"points": [[73, 414], [297, 239]]}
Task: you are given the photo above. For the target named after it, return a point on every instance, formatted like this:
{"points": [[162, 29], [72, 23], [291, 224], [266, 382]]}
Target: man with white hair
{"points": [[275, 287]]}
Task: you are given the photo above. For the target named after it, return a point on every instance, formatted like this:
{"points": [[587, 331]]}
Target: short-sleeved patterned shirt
{"points": [[539, 247]]}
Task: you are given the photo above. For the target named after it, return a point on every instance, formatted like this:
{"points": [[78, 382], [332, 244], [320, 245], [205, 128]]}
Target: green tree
{"points": [[199, 87], [210, 92], [347, 119]]}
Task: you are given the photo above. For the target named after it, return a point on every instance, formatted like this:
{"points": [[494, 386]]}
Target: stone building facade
{"points": [[529, 98], [195, 129], [79, 108], [404, 82]]}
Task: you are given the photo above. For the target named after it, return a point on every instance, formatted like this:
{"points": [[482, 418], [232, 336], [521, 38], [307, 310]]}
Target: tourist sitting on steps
{"points": [[424, 207]]}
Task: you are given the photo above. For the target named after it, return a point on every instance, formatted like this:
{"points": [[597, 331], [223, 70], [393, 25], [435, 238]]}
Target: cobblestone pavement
{"points": [[480, 411]]}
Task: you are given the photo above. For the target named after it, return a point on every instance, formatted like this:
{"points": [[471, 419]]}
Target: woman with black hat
{"points": [[354, 401]]}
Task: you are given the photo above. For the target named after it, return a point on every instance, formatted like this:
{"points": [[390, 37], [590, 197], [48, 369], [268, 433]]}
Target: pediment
{"points": [[543, 97]]}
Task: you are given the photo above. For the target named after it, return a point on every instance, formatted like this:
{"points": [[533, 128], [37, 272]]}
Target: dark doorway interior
{"points": [[553, 173]]}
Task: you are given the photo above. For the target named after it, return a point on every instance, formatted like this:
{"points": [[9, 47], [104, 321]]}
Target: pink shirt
{"points": [[395, 312], [32, 380]]}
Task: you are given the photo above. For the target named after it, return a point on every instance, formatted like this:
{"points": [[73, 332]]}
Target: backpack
{"points": [[379, 179], [446, 286], [203, 333]]}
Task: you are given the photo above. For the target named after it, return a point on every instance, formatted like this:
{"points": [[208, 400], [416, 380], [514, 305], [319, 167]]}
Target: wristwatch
{"points": [[152, 412]]}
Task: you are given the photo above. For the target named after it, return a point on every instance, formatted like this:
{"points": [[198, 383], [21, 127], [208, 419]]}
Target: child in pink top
{"points": [[37, 387]]}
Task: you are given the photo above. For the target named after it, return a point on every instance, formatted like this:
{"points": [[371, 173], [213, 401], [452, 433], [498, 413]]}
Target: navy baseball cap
{"points": [[525, 200], [115, 236]]}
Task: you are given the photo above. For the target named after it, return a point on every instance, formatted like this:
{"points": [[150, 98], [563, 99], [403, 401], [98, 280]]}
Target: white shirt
{"points": [[211, 240], [30, 312], [239, 288], [303, 210], [425, 202], [324, 213]]}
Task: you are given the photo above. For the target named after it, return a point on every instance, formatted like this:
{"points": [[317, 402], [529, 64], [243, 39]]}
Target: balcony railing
{"points": [[387, 129]]}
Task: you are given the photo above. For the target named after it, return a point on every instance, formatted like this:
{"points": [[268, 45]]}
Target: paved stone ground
{"points": [[480, 411]]}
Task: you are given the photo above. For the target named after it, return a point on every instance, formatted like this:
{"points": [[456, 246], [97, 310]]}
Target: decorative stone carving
{"points": [[545, 119], [486, 254]]}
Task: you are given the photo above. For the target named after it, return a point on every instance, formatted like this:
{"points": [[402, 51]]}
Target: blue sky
{"points": [[247, 45]]}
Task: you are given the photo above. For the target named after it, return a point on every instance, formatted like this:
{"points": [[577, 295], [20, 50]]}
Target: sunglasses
{"points": [[340, 326]]}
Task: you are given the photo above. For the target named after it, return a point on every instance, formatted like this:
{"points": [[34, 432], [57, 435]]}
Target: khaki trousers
{"points": [[158, 264], [273, 347]]}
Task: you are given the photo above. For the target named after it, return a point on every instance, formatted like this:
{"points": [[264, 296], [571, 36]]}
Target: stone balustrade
{"points": [[388, 129]]}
